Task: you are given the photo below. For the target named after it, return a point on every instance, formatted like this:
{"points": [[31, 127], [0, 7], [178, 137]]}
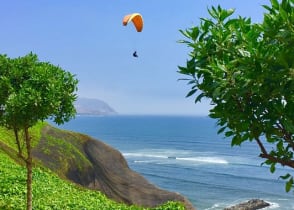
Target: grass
{"points": [[49, 191]]}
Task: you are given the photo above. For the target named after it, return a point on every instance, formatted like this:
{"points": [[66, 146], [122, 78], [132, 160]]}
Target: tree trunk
{"points": [[29, 165], [18, 142]]}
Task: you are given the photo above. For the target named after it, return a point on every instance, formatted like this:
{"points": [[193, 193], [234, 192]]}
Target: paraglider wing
{"points": [[137, 20]]}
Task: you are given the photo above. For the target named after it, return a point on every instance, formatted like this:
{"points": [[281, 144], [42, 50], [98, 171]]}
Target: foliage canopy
{"points": [[32, 91], [246, 70]]}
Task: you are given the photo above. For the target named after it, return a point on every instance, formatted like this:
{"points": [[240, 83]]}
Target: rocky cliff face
{"points": [[93, 164]]}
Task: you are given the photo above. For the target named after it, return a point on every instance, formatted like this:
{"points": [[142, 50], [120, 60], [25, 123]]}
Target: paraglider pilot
{"points": [[135, 54]]}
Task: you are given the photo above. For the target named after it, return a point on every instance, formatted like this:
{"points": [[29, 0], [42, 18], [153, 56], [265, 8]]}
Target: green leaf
{"points": [[283, 13], [191, 93], [229, 133], [273, 167], [289, 184], [194, 34], [237, 140], [199, 97], [287, 176], [267, 8], [217, 92], [192, 82], [221, 130], [225, 14], [184, 42], [231, 22], [185, 33], [213, 12], [275, 4]]}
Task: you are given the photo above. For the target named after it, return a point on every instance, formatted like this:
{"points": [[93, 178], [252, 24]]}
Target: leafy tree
{"points": [[246, 70], [32, 91]]}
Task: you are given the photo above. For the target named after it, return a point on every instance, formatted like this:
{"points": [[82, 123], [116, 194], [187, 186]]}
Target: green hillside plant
{"points": [[53, 193], [33, 91], [246, 71]]}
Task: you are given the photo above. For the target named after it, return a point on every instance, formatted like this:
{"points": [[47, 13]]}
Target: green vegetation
{"points": [[33, 91], [50, 192], [246, 70], [64, 151], [7, 135]]}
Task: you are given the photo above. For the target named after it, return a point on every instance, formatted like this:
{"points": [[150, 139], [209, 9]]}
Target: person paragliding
{"points": [[137, 20], [135, 54]]}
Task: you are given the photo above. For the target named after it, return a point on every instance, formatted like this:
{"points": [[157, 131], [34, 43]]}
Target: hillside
{"points": [[76, 158], [90, 106], [59, 194]]}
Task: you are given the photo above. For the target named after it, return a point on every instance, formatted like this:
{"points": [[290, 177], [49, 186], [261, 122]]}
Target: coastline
{"points": [[206, 170]]}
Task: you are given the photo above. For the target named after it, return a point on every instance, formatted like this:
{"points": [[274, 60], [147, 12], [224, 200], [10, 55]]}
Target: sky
{"points": [[87, 38]]}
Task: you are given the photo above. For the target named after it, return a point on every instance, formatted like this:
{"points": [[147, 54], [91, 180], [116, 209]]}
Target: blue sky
{"points": [[87, 38]]}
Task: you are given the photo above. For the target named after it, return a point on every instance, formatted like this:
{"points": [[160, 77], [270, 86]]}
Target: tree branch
{"points": [[262, 148], [17, 141], [20, 154], [266, 155]]}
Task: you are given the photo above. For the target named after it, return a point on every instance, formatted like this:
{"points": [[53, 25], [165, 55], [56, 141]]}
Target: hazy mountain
{"points": [[90, 106]]}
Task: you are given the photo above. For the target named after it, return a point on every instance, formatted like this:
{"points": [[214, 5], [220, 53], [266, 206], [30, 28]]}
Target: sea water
{"points": [[185, 155]]}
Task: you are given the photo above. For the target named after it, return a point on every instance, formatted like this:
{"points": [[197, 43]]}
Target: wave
{"points": [[143, 155], [174, 157], [222, 205], [272, 205], [215, 160]]}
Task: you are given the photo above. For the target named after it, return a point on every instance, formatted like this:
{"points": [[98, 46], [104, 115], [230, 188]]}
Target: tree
{"points": [[33, 91], [246, 70]]}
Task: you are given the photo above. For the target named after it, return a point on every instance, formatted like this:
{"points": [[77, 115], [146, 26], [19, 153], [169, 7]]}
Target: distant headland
{"points": [[91, 106]]}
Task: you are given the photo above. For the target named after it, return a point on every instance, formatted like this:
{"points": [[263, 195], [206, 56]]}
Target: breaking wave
{"points": [[174, 157]]}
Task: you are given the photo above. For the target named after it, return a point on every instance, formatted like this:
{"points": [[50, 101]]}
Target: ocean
{"points": [[185, 155]]}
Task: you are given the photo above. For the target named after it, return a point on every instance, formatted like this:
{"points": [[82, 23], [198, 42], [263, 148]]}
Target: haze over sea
{"points": [[185, 155]]}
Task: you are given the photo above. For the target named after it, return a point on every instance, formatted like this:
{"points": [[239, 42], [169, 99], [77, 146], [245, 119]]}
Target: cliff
{"points": [[95, 165]]}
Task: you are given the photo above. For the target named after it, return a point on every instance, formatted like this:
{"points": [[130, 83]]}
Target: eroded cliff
{"points": [[94, 164]]}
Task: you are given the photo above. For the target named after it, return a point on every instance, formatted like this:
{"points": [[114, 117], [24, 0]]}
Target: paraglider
{"points": [[137, 20]]}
